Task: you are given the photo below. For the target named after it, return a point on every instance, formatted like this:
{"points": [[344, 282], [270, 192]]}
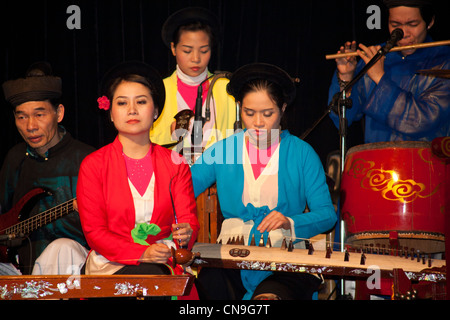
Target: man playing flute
{"points": [[398, 103]]}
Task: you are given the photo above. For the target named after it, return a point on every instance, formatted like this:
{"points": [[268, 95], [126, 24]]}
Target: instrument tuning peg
{"points": [[310, 249], [346, 256], [261, 242], [291, 246], [363, 259], [269, 243], [284, 244], [253, 243], [328, 254]]}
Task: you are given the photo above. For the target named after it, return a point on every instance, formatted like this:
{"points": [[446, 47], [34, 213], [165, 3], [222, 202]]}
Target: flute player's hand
{"points": [[376, 72], [346, 66]]}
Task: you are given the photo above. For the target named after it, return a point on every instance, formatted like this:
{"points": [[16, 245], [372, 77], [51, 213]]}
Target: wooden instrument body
{"points": [[18, 224], [298, 260], [20, 211], [209, 215], [89, 286]]}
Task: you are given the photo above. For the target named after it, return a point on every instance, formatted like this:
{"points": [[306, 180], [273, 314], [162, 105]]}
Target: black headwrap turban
{"points": [[38, 85]]}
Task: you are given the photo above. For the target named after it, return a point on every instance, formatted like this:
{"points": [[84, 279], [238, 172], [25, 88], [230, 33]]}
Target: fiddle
{"points": [[182, 256], [182, 120]]}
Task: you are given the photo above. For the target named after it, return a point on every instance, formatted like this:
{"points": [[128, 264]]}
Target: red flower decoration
{"points": [[103, 103]]}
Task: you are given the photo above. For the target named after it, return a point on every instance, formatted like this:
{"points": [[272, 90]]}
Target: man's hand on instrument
{"points": [[274, 220], [376, 72], [182, 233], [346, 66]]}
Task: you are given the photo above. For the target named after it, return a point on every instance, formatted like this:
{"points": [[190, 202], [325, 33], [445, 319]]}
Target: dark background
{"points": [[295, 35]]}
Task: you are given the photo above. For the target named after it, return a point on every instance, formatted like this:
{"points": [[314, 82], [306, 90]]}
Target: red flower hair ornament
{"points": [[103, 103]]}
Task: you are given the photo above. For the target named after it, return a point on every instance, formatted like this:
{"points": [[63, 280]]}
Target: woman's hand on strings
{"points": [[274, 220]]}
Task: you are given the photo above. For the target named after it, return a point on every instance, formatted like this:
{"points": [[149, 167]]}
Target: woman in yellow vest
{"points": [[190, 34]]}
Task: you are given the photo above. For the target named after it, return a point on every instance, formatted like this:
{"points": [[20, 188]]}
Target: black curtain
{"points": [[295, 35]]}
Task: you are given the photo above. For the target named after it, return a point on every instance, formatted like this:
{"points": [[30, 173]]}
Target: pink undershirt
{"points": [[189, 93], [140, 171], [259, 157]]}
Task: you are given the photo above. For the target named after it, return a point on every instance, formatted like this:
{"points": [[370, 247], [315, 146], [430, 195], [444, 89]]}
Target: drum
{"points": [[395, 192]]}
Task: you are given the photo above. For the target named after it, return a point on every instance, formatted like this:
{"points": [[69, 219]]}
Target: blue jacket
{"points": [[301, 182], [404, 106]]}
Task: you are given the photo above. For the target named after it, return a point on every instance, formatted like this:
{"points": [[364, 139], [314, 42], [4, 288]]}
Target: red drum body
{"points": [[395, 192]]}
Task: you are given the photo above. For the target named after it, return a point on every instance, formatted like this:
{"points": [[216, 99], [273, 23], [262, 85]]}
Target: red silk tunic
{"points": [[106, 205]]}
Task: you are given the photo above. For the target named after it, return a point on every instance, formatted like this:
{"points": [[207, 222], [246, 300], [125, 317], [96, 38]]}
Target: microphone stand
{"points": [[340, 103], [198, 118], [199, 121], [341, 98], [197, 129], [344, 103]]}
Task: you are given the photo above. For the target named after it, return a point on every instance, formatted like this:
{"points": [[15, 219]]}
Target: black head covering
{"points": [[407, 3], [262, 71], [124, 69], [38, 85], [186, 16], [426, 7]]}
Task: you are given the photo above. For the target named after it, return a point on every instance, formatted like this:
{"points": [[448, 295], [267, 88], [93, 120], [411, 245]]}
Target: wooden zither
{"points": [[351, 263], [91, 286]]}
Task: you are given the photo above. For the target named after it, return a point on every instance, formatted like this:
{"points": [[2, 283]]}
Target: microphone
{"points": [[396, 36], [197, 129]]}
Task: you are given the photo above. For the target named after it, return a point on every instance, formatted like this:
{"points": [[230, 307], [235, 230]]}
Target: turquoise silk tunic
{"points": [[301, 183]]}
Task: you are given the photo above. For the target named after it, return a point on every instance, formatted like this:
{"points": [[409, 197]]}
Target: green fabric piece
{"points": [[141, 232]]}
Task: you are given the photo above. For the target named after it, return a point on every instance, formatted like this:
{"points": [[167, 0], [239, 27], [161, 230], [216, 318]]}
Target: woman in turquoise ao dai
{"points": [[265, 179]]}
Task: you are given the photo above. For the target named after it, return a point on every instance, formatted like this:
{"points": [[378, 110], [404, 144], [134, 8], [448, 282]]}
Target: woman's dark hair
{"points": [[274, 91], [194, 26], [132, 78]]}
